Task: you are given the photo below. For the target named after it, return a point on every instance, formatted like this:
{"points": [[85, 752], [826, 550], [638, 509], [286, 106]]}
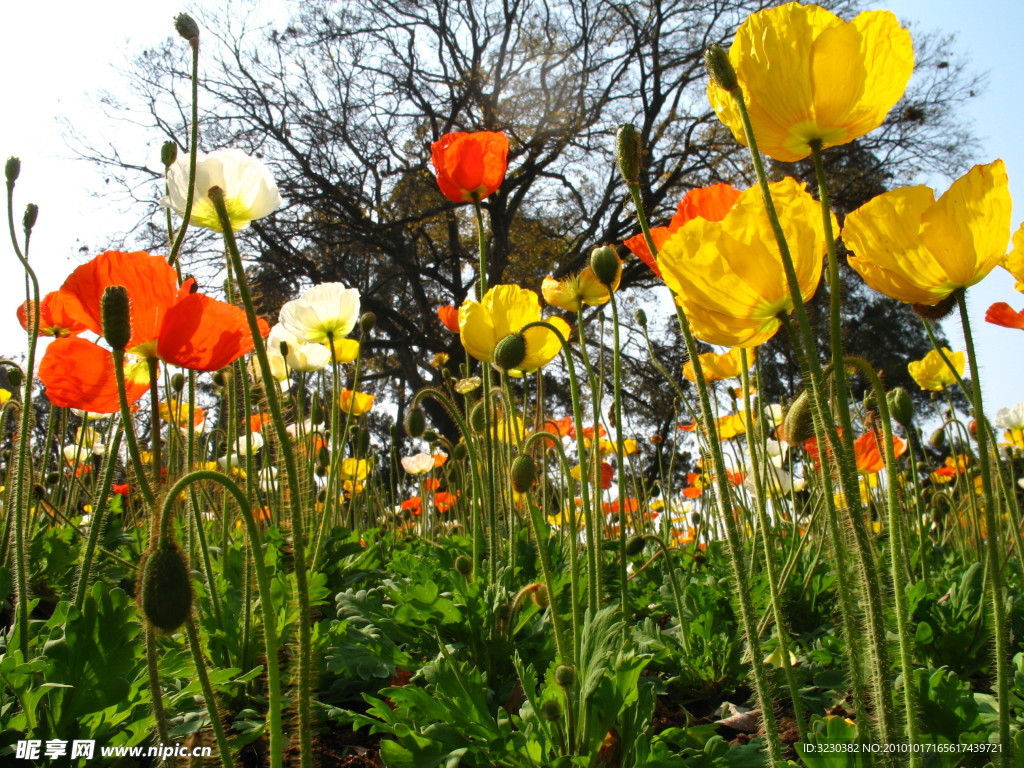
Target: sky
{"points": [[58, 56]]}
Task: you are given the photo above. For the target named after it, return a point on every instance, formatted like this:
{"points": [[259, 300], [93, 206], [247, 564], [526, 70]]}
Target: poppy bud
{"points": [[362, 440], [798, 422], [606, 265], [524, 474], [15, 377], [415, 423], [550, 709], [222, 378], [431, 436], [635, 545], [168, 153], [565, 675], [510, 352], [719, 68], [117, 328], [627, 152], [900, 405], [539, 595], [186, 26], [367, 321], [12, 169], [323, 456], [477, 418], [29, 219], [461, 452], [938, 439], [166, 589], [641, 318], [320, 471], [52, 478], [695, 518], [463, 565], [177, 382]]}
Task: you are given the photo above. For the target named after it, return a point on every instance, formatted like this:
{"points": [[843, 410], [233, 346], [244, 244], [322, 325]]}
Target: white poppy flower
{"points": [[301, 356], [1010, 418], [268, 479], [419, 464], [249, 190], [325, 309], [254, 438]]}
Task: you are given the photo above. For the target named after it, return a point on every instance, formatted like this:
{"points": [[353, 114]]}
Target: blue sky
{"points": [[53, 66]]}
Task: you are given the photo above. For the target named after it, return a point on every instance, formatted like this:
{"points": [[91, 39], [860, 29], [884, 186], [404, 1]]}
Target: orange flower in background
{"points": [[1003, 314], [413, 505], [709, 203], [355, 403], [444, 501], [168, 322], [431, 484], [257, 420], [176, 413], [440, 459], [449, 316], [868, 453], [57, 315], [629, 507], [470, 166], [559, 427]]}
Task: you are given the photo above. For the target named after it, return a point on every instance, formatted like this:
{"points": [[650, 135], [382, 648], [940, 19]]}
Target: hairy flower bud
{"points": [[367, 321], [463, 565], [635, 545], [177, 382], [13, 169], [719, 68], [565, 675], [798, 423], [168, 153], [900, 405], [165, 594], [641, 318], [550, 709], [117, 329], [415, 423], [15, 377], [627, 152], [606, 265], [29, 219], [524, 474], [510, 352], [186, 26]]}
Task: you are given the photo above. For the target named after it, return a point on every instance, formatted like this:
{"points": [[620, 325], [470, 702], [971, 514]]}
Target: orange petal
{"points": [[710, 203], [80, 374], [203, 334], [449, 315], [1002, 314]]}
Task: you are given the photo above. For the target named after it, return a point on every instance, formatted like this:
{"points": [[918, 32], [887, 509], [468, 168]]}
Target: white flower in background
{"points": [[249, 190], [325, 309], [419, 464], [254, 439], [1010, 418], [301, 356], [299, 429], [268, 479]]}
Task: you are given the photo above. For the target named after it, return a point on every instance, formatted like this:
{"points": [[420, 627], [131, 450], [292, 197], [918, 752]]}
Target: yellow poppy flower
{"points": [[932, 373], [807, 76], [355, 403], [1013, 262], [504, 310], [728, 275], [573, 291], [5, 395], [354, 470], [919, 250], [717, 367]]}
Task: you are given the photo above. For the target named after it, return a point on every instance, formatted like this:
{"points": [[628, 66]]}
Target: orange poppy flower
{"points": [[56, 316], [559, 427], [1003, 314], [449, 316], [444, 501], [867, 451], [630, 506], [470, 166], [431, 484], [168, 322], [710, 203], [414, 505]]}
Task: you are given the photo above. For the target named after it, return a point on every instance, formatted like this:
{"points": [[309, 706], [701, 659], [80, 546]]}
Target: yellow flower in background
{"points": [[728, 275], [731, 426], [573, 291], [355, 403], [919, 250], [354, 470], [932, 373], [5, 395], [345, 350], [717, 366], [807, 76], [504, 310], [249, 190], [630, 447], [1013, 262]]}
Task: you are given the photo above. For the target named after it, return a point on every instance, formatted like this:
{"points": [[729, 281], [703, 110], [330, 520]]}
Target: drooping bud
{"points": [[461, 452], [15, 377], [627, 152], [415, 423], [539, 595], [550, 709], [431, 436], [463, 565], [510, 352], [367, 321], [565, 675], [177, 382], [165, 594], [635, 545], [186, 26], [477, 418], [720, 69], [323, 456], [222, 378], [168, 153], [938, 439], [900, 405], [798, 422], [606, 265], [29, 219], [13, 169], [362, 441], [117, 327], [524, 474]]}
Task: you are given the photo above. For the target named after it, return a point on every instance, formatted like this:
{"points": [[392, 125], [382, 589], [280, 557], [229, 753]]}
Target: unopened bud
{"points": [[478, 418], [938, 439], [798, 422], [539, 595], [415, 423], [186, 26], [29, 219], [168, 153], [719, 68], [627, 152], [367, 322], [362, 440], [565, 675], [15, 377], [463, 565], [177, 382], [641, 318], [510, 352], [524, 474], [900, 405], [13, 169], [606, 265], [550, 709], [461, 452], [117, 328], [635, 545]]}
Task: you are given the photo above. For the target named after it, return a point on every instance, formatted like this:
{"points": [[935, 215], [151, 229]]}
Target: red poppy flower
{"points": [[444, 501], [449, 316], [1003, 314], [559, 427], [122, 489], [710, 203], [470, 166], [866, 449], [413, 505], [57, 315], [431, 484], [168, 322], [630, 506]]}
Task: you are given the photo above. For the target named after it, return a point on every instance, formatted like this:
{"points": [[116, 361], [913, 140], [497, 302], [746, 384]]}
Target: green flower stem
{"points": [[992, 543], [590, 471], [98, 517], [192, 150], [769, 555], [153, 671], [620, 461], [154, 420], [897, 562], [337, 455], [270, 634], [305, 651], [677, 591], [762, 684], [547, 570], [208, 696], [141, 478], [849, 482]]}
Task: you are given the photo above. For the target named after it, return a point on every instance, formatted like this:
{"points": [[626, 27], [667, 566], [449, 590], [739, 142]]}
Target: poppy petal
{"points": [[80, 374], [203, 334]]}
